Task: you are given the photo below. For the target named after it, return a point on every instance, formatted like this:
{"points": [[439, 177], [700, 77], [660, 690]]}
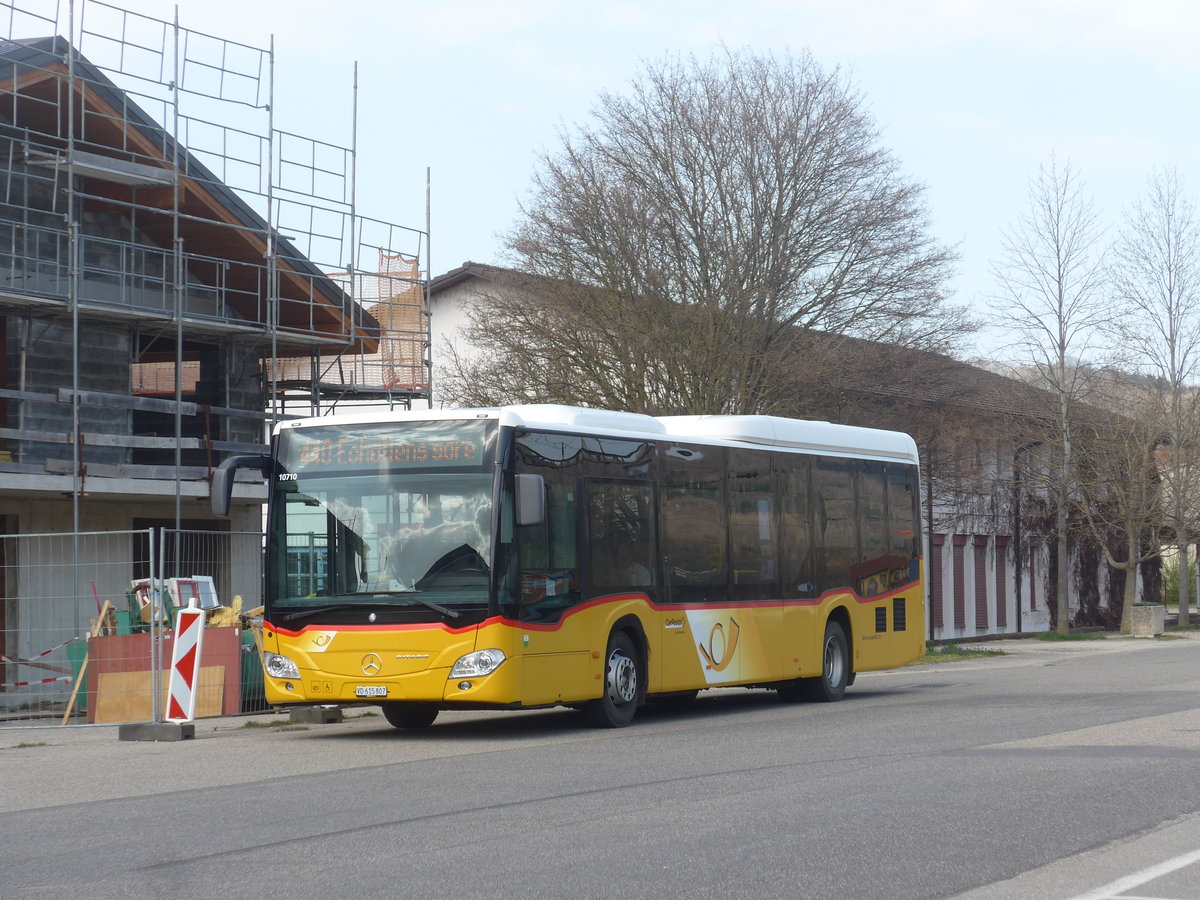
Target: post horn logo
{"points": [[372, 664], [719, 652]]}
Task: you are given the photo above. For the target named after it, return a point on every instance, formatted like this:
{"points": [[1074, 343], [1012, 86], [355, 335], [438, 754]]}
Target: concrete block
{"points": [[317, 715], [157, 731], [1147, 620]]}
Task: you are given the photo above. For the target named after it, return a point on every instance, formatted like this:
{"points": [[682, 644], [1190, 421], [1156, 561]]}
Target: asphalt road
{"points": [[1052, 771]]}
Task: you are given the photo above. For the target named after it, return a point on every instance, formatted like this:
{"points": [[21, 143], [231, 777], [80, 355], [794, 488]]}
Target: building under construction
{"points": [[177, 272]]}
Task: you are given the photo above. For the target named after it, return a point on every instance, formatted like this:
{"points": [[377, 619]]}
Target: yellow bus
{"points": [[535, 556]]}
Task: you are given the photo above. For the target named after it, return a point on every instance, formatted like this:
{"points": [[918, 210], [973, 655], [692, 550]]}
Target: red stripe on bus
{"points": [[592, 604]]}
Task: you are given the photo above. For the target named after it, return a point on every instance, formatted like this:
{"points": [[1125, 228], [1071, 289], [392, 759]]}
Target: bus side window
{"points": [[620, 529], [887, 526], [904, 528], [546, 552], [796, 548], [548, 579], [833, 522], [694, 524], [873, 569], [754, 544]]}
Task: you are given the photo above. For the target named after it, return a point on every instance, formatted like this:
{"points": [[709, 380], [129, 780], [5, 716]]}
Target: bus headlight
{"points": [[481, 662], [279, 666]]}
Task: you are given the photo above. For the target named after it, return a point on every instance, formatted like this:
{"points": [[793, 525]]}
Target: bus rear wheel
{"points": [[830, 685], [623, 685], [409, 715]]}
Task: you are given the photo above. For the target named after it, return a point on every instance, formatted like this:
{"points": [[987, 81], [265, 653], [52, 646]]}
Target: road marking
{"points": [[1137, 879]]}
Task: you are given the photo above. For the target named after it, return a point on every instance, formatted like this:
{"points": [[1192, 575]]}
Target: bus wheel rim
{"points": [[833, 662], [622, 678]]}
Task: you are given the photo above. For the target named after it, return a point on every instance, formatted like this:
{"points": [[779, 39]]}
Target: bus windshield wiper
{"points": [[411, 596], [293, 615], [406, 596]]}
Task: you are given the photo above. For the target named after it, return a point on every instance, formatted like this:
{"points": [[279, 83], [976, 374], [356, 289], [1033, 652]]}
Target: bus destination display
{"points": [[425, 445]]}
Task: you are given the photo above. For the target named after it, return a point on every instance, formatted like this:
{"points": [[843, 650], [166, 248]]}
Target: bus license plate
{"points": [[371, 690]]}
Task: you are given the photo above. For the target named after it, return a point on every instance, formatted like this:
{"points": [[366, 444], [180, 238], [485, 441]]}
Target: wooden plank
{"points": [[124, 401], [141, 441], [83, 667], [231, 413], [126, 696], [91, 439], [22, 468], [32, 396], [238, 447], [127, 401], [153, 473], [41, 437], [155, 404]]}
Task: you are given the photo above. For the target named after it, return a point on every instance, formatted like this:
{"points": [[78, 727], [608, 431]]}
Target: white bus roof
{"points": [[767, 431]]}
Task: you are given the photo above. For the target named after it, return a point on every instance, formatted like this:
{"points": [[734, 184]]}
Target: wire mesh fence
{"points": [[86, 623]]}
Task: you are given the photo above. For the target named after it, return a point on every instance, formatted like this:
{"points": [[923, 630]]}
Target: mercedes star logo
{"points": [[372, 664]]}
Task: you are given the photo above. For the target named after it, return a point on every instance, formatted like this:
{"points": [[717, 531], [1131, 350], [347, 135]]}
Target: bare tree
{"points": [[687, 243], [1156, 267], [1052, 294], [1118, 487]]}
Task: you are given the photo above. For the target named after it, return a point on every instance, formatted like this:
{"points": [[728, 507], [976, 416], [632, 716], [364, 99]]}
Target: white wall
{"points": [[1034, 615], [447, 321]]}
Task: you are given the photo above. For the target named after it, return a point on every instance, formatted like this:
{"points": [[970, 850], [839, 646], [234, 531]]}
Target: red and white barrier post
{"points": [[185, 663]]}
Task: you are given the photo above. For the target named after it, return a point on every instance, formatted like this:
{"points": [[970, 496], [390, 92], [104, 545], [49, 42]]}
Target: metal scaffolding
{"points": [[147, 178]]}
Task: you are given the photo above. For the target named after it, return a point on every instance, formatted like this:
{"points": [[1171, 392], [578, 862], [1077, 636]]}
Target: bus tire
{"points": [[830, 685], [409, 715], [624, 683]]}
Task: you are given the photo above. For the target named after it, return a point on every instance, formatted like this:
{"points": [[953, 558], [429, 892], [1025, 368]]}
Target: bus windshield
{"points": [[380, 530]]}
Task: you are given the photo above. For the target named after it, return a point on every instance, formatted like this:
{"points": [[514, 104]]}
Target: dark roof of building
{"points": [[879, 372], [466, 272]]}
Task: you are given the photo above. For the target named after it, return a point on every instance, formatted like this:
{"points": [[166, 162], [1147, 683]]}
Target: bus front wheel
{"points": [[623, 685], [409, 715], [830, 685]]}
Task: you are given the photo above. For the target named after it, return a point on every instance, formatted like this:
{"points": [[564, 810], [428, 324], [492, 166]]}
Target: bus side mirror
{"points": [[531, 499], [226, 472]]}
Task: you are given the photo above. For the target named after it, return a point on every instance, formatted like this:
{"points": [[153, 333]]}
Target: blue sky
{"points": [[972, 96]]}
